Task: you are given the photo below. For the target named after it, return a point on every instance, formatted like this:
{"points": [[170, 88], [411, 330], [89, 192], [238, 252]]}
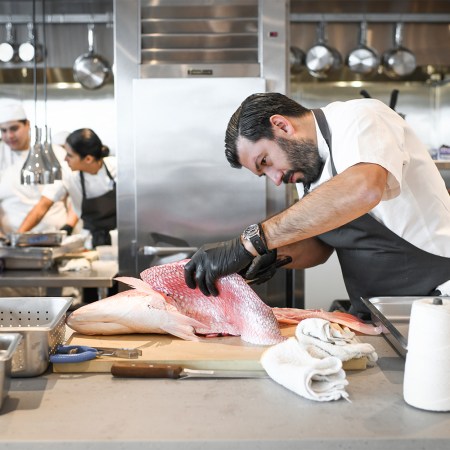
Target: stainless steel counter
{"points": [[101, 278], [96, 411]]}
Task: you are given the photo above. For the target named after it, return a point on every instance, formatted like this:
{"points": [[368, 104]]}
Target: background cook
{"points": [[91, 186], [17, 200], [376, 197]]}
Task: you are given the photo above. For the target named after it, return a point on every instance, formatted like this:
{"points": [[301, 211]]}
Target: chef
{"points": [[368, 189], [91, 186], [16, 200]]}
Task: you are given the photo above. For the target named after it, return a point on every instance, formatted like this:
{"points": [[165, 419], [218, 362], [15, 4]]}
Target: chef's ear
{"points": [[281, 124]]}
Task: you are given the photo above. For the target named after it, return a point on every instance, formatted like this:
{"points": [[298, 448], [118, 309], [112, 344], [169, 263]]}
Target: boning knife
{"points": [[147, 370]]}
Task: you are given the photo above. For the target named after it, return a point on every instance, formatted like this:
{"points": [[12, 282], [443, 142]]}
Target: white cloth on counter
{"points": [[323, 339], [310, 364], [290, 365], [75, 265]]}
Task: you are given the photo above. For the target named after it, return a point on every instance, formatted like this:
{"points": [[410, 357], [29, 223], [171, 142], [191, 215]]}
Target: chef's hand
{"points": [[213, 261], [263, 267]]}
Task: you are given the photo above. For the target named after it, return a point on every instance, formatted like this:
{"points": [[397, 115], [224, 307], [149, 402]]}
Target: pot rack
{"points": [[17, 19], [373, 18]]}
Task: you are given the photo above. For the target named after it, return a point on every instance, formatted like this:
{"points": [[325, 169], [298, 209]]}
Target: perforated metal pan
{"points": [[41, 322]]}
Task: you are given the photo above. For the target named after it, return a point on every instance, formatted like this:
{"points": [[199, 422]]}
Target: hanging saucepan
{"points": [[90, 69], [399, 61], [8, 49], [296, 60], [30, 50], [363, 59], [321, 58]]}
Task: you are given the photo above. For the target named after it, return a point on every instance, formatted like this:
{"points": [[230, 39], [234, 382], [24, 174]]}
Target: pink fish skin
{"points": [[237, 310], [295, 315], [132, 311]]}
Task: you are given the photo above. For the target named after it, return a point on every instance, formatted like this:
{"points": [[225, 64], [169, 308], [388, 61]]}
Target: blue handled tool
{"points": [[80, 353]]}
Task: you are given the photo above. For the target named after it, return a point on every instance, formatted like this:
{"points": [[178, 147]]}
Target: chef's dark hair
{"points": [[252, 120], [85, 142]]}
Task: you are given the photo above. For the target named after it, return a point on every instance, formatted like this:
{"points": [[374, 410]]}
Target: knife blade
{"points": [[148, 370]]}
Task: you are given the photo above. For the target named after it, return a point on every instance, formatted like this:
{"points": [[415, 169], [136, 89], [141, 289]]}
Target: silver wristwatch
{"points": [[254, 234]]}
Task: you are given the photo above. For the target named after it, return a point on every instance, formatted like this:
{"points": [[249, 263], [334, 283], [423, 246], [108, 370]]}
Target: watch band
{"points": [[255, 235]]}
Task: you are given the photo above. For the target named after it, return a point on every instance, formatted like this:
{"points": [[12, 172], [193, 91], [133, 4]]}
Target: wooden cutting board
{"points": [[228, 352]]}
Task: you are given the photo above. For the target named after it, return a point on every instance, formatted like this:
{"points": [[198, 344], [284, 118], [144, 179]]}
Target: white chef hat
{"points": [[11, 110]]}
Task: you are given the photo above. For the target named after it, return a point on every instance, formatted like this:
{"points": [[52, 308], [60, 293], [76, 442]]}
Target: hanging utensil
{"points": [[296, 59], [321, 58], [36, 169], [30, 50], [363, 59], [8, 49], [399, 61], [90, 69]]}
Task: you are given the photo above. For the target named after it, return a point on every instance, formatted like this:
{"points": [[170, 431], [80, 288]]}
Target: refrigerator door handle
{"points": [[151, 250]]}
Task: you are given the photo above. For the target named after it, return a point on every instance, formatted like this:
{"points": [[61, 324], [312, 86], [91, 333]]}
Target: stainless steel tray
{"points": [[30, 239], [37, 257], [8, 345], [393, 314], [42, 323]]}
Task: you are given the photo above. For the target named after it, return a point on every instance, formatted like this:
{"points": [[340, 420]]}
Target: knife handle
{"points": [[145, 370]]}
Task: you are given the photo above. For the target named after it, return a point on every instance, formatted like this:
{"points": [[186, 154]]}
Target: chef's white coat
{"points": [[17, 200], [96, 185], [416, 204]]}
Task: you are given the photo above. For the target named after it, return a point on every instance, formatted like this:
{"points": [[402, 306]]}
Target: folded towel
{"points": [[323, 339], [75, 265], [291, 365]]}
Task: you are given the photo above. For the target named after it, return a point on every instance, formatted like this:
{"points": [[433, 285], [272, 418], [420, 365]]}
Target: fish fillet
{"points": [[295, 315], [237, 310], [130, 312]]}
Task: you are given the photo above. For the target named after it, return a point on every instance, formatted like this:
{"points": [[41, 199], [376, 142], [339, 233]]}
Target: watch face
{"points": [[251, 230]]}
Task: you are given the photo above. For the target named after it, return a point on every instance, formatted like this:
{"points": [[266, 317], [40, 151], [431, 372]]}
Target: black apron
{"points": [[377, 262], [99, 213]]}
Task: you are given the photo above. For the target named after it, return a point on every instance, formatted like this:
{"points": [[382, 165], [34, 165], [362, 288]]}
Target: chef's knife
{"points": [[147, 370]]}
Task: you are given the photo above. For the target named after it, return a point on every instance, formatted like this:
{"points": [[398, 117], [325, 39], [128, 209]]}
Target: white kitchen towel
{"points": [[321, 339], [75, 265], [290, 365]]}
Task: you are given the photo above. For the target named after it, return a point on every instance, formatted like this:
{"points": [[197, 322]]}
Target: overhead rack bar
{"points": [[58, 18], [382, 18]]}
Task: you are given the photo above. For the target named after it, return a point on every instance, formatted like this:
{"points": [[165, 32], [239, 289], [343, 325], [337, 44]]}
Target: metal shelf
{"points": [[58, 19]]}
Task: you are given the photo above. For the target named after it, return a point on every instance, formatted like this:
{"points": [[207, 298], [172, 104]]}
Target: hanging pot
{"points": [[296, 59], [30, 50], [399, 61], [321, 58], [363, 59], [91, 70], [8, 49]]}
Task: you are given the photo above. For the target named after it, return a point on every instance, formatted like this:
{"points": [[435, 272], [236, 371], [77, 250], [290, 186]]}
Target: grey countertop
{"points": [[97, 411]]}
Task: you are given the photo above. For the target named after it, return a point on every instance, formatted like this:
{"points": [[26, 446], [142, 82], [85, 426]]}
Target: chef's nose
{"points": [[275, 175]]}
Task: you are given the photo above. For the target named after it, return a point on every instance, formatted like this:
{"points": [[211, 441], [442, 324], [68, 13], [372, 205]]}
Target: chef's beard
{"points": [[303, 156]]}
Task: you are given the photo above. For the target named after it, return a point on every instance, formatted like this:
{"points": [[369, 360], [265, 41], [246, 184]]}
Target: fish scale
{"points": [[237, 310]]}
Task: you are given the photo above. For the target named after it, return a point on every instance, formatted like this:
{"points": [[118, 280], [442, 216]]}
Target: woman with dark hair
{"points": [[91, 186]]}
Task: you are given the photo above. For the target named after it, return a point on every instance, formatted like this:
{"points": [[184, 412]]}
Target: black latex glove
{"points": [[213, 261], [263, 267], [68, 228]]}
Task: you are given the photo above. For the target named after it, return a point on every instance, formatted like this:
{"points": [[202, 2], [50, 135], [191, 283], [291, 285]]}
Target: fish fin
{"points": [[182, 326], [138, 284]]}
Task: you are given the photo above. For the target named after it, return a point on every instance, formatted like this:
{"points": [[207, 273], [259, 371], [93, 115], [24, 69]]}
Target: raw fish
{"points": [[133, 311], [237, 310], [295, 315]]}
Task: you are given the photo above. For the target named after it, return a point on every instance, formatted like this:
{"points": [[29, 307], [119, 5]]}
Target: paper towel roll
{"points": [[426, 383]]}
